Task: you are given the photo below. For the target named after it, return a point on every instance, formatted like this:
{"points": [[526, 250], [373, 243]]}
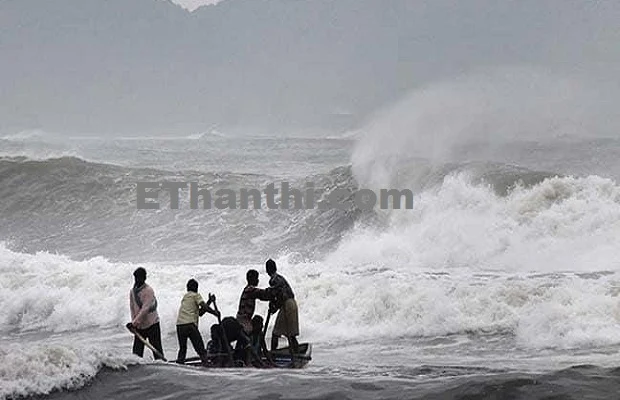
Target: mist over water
{"points": [[528, 117]]}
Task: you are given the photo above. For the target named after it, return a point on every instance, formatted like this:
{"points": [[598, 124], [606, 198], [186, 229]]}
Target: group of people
{"points": [[246, 330]]}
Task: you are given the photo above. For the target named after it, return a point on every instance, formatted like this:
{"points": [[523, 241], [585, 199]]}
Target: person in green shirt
{"points": [[192, 307]]}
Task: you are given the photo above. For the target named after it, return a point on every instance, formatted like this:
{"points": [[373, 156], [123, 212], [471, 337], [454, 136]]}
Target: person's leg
{"points": [[234, 333], [197, 342], [293, 347], [233, 330], [294, 344], [221, 332], [274, 342], [138, 346], [278, 327], [290, 350], [154, 337], [238, 351], [244, 344], [293, 320], [182, 337], [216, 339], [291, 327]]}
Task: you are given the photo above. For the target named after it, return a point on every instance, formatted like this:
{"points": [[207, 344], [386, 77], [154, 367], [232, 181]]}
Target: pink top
{"points": [[144, 308]]}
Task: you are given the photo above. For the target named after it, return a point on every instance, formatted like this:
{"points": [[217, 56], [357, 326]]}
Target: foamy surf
{"points": [[28, 369]]}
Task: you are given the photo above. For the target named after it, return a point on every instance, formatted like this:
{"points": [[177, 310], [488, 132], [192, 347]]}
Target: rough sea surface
{"points": [[502, 282]]}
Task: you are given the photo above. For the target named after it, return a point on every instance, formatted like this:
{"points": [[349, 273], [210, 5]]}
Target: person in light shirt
{"points": [[144, 316], [192, 307]]}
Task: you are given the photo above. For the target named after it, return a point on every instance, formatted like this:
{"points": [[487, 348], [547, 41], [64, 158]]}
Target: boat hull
{"points": [[281, 358]]}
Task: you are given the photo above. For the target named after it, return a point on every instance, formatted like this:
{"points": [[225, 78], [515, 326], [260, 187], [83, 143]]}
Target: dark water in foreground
{"points": [[159, 382]]}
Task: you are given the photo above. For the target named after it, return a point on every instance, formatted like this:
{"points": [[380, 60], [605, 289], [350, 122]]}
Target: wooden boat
{"points": [[281, 358]]}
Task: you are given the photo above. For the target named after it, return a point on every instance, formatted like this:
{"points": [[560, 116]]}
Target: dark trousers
{"points": [[191, 332], [153, 335]]}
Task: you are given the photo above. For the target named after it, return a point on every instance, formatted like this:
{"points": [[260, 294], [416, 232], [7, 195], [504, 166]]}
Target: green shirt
{"points": [[188, 312]]}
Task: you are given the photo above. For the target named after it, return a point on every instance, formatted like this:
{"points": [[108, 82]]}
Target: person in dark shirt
{"points": [[247, 303], [222, 335], [225, 333], [287, 321]]}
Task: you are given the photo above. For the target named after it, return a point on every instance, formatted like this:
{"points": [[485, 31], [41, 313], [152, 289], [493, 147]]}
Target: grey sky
{"points": [[147, 66]]}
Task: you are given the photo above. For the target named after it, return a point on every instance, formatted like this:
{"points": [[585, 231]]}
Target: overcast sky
{"points": [[193, 4], [86, 66]]}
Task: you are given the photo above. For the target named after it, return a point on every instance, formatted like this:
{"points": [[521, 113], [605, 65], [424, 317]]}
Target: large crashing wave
{"points": [[85, 209], [504, 164]]}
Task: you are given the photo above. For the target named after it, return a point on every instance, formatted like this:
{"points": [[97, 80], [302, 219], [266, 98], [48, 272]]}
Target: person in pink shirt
{"points": [[144, 316]]}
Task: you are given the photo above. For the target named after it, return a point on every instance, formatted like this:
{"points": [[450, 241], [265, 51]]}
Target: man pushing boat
{"points": [[247, 302], [192, 307], [287, 321]]}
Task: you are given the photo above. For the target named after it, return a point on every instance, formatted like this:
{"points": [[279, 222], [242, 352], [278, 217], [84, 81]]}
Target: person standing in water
{"points": [[287, 321], [144, 316], [192, 307], [247, 302]]}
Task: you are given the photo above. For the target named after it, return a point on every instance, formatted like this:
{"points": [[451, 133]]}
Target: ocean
{"points": [[501, 282]]}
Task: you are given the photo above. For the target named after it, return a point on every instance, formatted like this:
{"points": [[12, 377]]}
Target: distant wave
{"points": [[194, 136], [26, 135]]}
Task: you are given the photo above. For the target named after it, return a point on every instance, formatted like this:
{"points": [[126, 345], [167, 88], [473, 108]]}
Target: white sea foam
{"points": [[42, 368]]}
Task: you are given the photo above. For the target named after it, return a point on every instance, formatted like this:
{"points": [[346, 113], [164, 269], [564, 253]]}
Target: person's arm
{"points": [[205, 308], [274, 303], [274, 306], [133, 307], [264, 295], [261, 294], [133, 311]]}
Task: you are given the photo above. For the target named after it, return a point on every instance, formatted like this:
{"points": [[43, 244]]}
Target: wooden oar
{"points": [[297, 357], [266, 324], [219, 321], [147, 344]]}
